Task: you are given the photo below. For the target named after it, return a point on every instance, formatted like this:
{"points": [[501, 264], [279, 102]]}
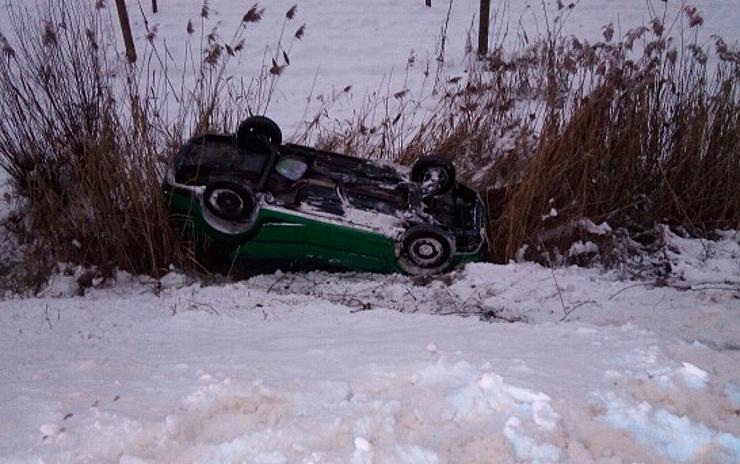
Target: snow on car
{"points": [[260, 199]]}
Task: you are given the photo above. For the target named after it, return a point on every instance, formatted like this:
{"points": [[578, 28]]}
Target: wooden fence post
{"points": [[128, 38], [485, 17], [154, 6]]}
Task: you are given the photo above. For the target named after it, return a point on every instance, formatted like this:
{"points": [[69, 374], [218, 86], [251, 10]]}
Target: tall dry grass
{"points": [[84, 135], [645, 137], [635, 131], [78, 141]]}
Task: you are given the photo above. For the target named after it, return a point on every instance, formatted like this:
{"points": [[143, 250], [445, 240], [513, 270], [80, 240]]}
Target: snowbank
{"points": [[334, 368]]}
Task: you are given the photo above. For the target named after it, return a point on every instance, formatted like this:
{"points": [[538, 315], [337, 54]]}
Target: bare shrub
{"points": [[84, 135], [78, 146], [634, 131], [651, 140]]}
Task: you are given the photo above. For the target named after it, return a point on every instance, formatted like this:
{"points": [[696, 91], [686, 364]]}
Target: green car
{"points": [[262, 200]]}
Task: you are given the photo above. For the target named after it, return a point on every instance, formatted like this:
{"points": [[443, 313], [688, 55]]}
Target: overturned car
{"points": [[261, 200]]}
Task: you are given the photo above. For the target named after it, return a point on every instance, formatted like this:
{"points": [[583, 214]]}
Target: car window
{"points": [[291, 168]]}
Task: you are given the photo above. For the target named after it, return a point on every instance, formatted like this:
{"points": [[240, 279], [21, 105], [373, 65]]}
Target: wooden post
{"points": [[154, 6], [128, 38], [485, 17], [429, 2]]}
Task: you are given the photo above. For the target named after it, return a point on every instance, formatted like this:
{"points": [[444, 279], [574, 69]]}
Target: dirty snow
{"points": [[550, 365], [323, 367]]}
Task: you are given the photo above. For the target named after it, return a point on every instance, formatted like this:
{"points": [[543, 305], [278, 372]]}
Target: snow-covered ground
{"points": [[341, 368], [380, 47], [359, 368]]}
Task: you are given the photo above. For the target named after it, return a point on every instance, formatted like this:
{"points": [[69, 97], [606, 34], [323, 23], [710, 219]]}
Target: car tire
{"points": [[257, 133], [229, 201], [425, 250], [435, 174]]}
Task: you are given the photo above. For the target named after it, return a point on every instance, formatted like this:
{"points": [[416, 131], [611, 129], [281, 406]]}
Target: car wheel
{"points": [[435, 174], [425, 250], [257, 133], [229, 201]]}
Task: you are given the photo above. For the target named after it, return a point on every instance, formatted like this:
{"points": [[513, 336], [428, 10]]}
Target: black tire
{"points": [[425, 250], [229, 201], [436, 174], [257, 133]]}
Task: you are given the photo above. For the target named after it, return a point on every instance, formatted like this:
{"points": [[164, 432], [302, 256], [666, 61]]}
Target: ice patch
{"points": [[677, 437]]}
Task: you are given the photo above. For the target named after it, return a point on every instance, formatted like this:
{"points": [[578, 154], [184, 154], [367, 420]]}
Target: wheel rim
{"points": [[426, 251], [434, 179], [226, 202]]}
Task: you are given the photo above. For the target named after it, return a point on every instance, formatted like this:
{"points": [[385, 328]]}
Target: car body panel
{"points": [[344, 212], [280, 235]]}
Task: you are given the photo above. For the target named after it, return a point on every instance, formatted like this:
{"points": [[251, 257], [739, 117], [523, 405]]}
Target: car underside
{"points": [[289, 202]]}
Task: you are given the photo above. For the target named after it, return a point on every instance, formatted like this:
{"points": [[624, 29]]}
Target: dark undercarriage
{"points": [[333, 183], [264, 199]]}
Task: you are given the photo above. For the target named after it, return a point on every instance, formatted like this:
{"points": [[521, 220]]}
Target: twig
{"points": [[441, 54], [206, 305], [277, 281], [570, 311], [695, 288], [639, 284], [557, 287], [483, 314], [46, 316], [453, 300], [662, 298]]}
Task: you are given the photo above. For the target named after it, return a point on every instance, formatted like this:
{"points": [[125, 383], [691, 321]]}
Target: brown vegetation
{"points": [[636, 132], [84, 135]]}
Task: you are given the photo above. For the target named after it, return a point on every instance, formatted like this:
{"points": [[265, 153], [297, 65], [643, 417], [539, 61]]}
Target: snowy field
{"points": [[353, 368], [367, 45], [565, 365]]}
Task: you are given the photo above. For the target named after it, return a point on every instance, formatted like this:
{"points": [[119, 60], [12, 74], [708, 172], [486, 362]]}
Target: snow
{"points": [[550, 365], [526, 448], [693, 376], [677, 437], [733, 394], [580, 248], [592, 228], [318, 367], [397, 42], [373, 221]]}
